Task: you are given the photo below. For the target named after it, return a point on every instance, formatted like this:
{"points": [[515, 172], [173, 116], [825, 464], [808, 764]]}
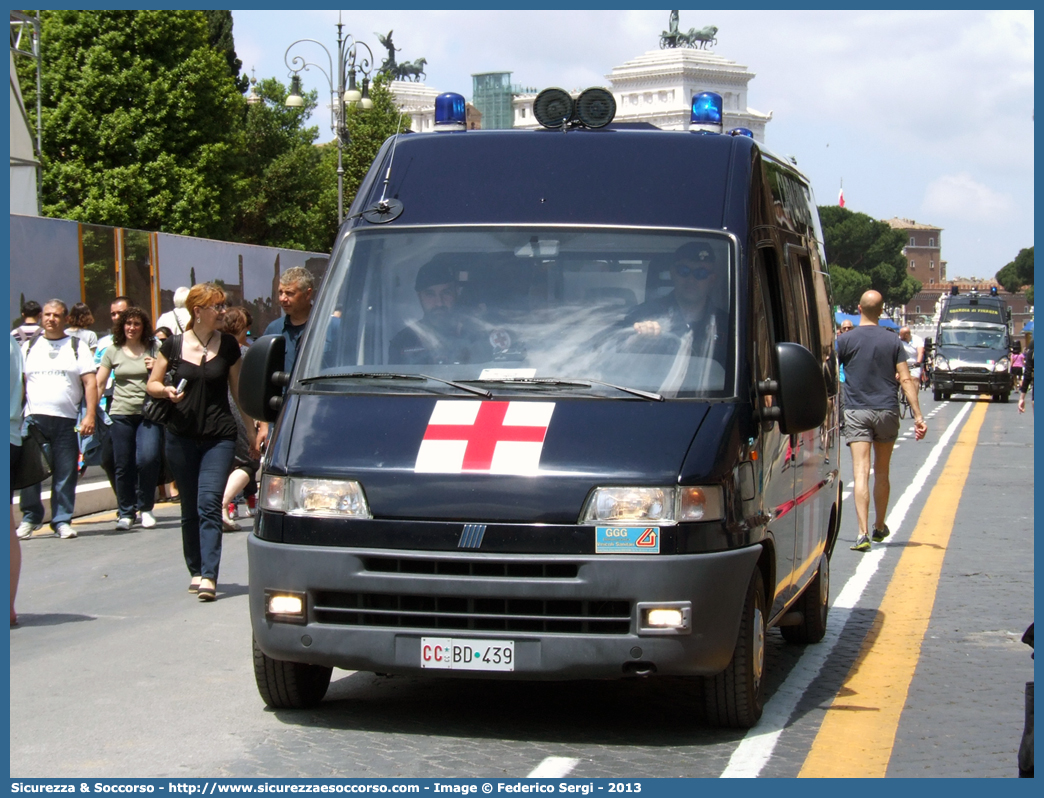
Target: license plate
{"points": [[465, 654]]}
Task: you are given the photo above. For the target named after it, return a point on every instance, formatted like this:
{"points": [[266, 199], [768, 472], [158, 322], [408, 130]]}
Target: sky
{"points": [[924, 115]]}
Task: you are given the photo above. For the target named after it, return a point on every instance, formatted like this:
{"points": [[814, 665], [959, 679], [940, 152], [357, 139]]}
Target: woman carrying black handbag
{"points": [[201, 432]]}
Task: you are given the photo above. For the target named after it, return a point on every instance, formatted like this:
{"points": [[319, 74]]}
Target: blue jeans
{"points": [[65, 455], [201, 468], [136, 450]]}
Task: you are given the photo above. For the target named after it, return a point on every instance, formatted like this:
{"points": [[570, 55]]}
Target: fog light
{"points": [[671, 618], [665, 618], [285, 606]]}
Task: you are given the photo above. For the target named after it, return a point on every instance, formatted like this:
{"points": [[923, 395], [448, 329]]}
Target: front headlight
{"points": [[1002, 365], [941, 363], [659, 506], [308, 496]]}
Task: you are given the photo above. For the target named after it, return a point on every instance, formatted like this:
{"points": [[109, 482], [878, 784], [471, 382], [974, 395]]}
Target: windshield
{"points": [[536, 309], [973, 338]]}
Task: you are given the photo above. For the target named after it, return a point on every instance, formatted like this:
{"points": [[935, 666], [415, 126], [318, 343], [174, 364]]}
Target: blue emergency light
{"points": [[706, 112], [742, 131], [993, 290], [450, 112]]}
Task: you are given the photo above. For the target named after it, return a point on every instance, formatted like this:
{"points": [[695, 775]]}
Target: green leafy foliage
{"points": [[1018, 274], [280, 176], [145, 126], [139, 120], [864, 253], [219, 29]]}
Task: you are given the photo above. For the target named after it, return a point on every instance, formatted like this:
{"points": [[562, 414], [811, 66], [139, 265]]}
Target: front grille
{"points": [[425, 613], [971, 370], [486, 568]]}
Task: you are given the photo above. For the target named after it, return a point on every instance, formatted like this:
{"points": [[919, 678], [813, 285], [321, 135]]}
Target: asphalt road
{"points": [[116, 670]]}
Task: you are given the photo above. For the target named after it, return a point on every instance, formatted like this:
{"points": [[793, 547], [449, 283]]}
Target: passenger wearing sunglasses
{"points": [[688, 310]]}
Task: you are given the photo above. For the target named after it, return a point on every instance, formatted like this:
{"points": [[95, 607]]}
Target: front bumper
{"points": [[972, 382], [540, 602]]}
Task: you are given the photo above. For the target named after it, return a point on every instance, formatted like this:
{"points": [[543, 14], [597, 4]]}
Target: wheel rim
{"points": [[759, 647]]}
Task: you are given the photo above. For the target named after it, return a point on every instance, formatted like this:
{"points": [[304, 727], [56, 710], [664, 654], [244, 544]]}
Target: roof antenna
{"points": [[386, 210]]}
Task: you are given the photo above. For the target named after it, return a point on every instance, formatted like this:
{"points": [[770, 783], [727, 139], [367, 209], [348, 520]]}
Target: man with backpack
{"points": [[59, 375], [30, 324]]}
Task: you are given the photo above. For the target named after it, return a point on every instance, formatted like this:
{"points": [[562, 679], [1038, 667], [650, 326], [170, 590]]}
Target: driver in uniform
{"points": [[443, 334], [688, 310]]}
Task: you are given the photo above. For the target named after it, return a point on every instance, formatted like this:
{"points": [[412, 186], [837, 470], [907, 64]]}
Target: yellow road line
{"points": [[858, 732]]}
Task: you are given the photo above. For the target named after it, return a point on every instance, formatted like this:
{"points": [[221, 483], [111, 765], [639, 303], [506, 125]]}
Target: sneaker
{"points": [[65, 531], [148, 520], [863, 544], [232, 513], [124, 523], [881, 534], [26, 529], [251, 504]]}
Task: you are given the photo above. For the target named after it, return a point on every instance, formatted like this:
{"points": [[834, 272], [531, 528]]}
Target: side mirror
{"points": [[262, 378], [928, 346], [802, 389]]}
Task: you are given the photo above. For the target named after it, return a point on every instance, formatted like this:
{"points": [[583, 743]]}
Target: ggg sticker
{"points": [[627, 540]]}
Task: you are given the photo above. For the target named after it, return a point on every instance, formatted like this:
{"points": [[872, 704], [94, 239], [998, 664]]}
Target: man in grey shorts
{"points": [[875, 366]]}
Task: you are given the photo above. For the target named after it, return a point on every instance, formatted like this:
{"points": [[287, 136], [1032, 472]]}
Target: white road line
{"points": [[755, 749], [554, 767], [86, 487]]}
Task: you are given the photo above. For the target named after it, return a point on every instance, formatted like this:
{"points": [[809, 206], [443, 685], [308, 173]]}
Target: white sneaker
{"points": [[148, 520], [26, 529], [124, 523], [65, 531]]}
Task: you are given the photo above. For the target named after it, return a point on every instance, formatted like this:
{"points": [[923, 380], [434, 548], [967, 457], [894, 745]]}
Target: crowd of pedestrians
{"points": [[75, 388]]}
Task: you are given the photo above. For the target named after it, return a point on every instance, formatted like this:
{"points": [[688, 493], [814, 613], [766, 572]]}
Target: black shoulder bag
{"points": [[159, 410]]}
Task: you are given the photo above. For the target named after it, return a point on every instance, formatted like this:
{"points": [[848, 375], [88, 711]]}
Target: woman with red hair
{"points": [[201, 432]]}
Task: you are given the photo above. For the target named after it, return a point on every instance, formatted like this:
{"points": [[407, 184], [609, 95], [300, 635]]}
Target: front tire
{"points": [[814, 605], [289, 685], [937, 395], [736, 696]]}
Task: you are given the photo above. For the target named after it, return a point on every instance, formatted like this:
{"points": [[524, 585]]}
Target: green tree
{"points": [[864, 253], [282, 178], [140, 115], [1018, 274], [219, 30], [291, 199]]}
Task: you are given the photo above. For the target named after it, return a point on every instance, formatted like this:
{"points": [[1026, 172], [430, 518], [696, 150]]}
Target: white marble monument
{"points": [[656, 87]]}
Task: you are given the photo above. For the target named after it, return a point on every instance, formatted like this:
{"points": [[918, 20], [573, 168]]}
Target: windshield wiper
{"points": [[387, 375], [584, 383]]}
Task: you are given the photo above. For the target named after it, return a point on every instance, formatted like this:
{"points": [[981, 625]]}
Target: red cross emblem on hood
{"points": [[495, 437]]}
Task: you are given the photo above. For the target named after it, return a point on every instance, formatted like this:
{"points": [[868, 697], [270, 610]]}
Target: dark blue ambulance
{"points": [[566, 409]]}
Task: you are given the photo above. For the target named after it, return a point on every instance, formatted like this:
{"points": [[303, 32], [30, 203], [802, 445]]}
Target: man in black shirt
{"points": [[873, 357]]}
